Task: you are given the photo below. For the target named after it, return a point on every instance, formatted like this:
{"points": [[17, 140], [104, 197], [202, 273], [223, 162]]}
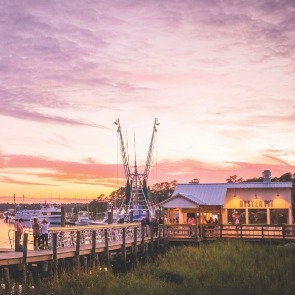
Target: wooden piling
{"points": [[6, 278], [54, 254], [25, 255], [50, 268], [63, 216], [85, 264], [135, 248], [17, 240], [148, 215], [152, 239], [124, 250], [92, 256], [45, 267], [110, 217], [142, 241], [131, 217], [107, 253], [77, 252]]}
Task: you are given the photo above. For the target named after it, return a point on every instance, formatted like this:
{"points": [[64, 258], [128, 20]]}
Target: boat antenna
{"points": [[134, 150]]}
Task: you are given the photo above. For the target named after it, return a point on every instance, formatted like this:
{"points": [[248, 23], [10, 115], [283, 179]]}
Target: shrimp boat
{"points": [[49, 212]]}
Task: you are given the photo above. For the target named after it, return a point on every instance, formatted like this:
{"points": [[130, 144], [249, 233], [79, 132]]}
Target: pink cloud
{"points": [[186, 169]]}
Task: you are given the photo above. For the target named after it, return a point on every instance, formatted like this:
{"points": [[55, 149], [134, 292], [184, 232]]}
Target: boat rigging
{"points": [[136, 193]]}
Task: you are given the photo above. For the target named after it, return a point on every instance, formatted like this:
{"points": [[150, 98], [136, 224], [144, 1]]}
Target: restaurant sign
{"points": [[256, 203]]}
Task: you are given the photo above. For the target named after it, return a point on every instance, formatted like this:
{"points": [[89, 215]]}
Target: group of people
{"points": [[153, 224], [40, 233]]}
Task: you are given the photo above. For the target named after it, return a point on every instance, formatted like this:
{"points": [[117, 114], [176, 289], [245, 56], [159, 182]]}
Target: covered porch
{"points": [[187, 217]]}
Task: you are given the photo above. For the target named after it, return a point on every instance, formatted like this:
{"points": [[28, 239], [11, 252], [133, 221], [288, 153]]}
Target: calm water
{"points": [[4, 229]]}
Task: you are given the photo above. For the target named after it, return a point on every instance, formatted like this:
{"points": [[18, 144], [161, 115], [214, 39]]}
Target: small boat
{"points": [[83, 218], [9, 216], [121, 216], [49, 212]]}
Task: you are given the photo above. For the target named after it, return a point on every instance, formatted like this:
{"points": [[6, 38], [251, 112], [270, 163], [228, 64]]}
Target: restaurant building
{"points": [[251, 202]]}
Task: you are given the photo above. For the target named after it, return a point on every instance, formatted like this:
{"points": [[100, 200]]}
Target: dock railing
{"points": [[67, 236], [285, 232]]}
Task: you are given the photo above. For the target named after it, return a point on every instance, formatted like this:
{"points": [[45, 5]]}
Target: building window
{"points": [[278, 216], [233, 214], [257, 216]]}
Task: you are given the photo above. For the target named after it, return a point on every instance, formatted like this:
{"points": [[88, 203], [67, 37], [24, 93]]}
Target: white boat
{"points": [[9, 216], [84, 219], [121, 216], [49, 212]]}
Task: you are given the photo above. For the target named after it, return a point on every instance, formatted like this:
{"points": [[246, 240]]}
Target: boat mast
{"points": [[137, 182]]}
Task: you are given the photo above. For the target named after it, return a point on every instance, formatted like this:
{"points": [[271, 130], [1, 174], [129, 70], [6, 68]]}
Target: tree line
{"points": [[164, 190]]}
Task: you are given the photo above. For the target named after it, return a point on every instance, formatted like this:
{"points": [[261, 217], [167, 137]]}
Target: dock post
{"points": [[25, 254], [152, 239], [107, 253], [54, 254], [142, 242], [85, 264], [110, 217], [124, 249], [63, 216], [6, 278], [135, 246], [92, 256], [17, 240], [45, 267], [148, 215], [77, 253], [131, 217], [284, 232]]}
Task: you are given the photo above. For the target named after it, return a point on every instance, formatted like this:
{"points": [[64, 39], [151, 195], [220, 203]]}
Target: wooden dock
{"points": [[106, 245], [87, 246]]}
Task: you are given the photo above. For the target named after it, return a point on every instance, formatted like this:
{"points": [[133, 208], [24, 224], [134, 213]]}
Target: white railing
{"points": [[67, 238]]}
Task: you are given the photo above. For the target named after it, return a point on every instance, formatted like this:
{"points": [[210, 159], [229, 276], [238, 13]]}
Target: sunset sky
{"points": [[218, 75]]}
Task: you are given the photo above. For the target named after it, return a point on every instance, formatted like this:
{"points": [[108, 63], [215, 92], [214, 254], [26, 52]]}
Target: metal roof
{"points": [[208, 194], [214, 193], [176, 199]]}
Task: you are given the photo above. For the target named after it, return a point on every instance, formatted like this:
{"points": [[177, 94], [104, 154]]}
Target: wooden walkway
{"points": [[81, 244], [9, 257], [92, 245]]}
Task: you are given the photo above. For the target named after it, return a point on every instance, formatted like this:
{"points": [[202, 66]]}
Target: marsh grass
{"points": [[218, 268]]}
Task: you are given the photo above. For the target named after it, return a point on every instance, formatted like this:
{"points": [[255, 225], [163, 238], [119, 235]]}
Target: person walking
{"points": [[155, 226], [36, 234]]}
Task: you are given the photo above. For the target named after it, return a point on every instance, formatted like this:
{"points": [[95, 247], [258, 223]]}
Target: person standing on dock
{"points": [[36, 234], [44, 234], [19, 227]]}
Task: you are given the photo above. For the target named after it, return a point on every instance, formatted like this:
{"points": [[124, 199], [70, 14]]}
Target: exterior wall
{"points": [[266, 200]]}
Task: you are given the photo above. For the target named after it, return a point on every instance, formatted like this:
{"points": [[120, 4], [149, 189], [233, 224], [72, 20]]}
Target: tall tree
{"points": [[234, 179], [162, 191]]}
